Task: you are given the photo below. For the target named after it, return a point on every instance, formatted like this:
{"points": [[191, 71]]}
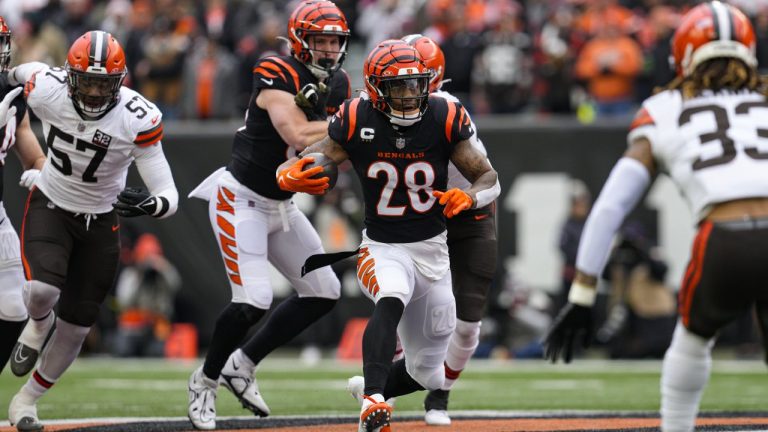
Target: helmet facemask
{"points": [[315, 58], [405, 98], [93, 94], [5, 50]]}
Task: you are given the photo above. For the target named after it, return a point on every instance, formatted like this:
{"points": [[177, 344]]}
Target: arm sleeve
{"points": [[156, 174], [23, 72], [625, 186]]}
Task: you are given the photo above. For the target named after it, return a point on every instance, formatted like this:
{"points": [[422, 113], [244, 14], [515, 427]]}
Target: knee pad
{"points": [[685, 343], [12, 305], [240, 315], [427, 368], [468, 333], [82, 313], [40, 297], [71, 332]]}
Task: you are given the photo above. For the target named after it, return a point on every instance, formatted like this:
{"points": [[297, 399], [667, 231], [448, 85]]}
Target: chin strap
{"points": [[404, 121]]}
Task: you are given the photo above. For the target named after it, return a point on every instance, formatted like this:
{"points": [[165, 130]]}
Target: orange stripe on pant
{"points": [[693, 274], [227, 237], [366, 271]]}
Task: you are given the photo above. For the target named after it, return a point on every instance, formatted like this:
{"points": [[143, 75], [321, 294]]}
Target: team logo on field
{"points": [[101, 139]]}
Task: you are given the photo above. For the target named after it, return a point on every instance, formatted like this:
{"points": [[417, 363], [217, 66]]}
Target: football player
{"points": [[257, 223], [15, 133], [472, 247], [94, 128], [705, 130], [400, 142]]}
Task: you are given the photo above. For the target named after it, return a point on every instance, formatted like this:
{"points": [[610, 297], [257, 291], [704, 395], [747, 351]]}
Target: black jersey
{"points": [[258, 149], [8, 132], [399, 168]]}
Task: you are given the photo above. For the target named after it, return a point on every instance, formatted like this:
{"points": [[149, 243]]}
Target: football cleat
{"points": [[30, 343], [436, 405], [202, 400], [22, 413], [375, 414], [238, 378]]}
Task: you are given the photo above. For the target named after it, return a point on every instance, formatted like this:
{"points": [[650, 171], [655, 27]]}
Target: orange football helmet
{"points": [[397, 81], [317, 17], [95, 71], [712, 30], [5, 45], [433, 57]]}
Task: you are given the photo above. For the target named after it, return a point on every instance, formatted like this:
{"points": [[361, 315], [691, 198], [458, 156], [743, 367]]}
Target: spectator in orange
{"points": [[600, 12], [609, 64]]}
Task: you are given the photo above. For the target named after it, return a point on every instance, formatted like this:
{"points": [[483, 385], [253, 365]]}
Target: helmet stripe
{"points": [[722, 23], [98, 51]]}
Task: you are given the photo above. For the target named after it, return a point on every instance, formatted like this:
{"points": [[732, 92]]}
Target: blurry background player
{"points": [[94, 128], [257, 223], [705, 131], [400, 142], [472, 248], [14, 129]]}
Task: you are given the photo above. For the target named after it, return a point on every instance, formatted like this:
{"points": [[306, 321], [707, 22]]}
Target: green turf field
{"points": [[141, 388]]}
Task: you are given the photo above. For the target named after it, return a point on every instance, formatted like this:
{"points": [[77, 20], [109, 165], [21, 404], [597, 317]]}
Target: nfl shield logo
{"points": [[400, 143], [80, 127]]}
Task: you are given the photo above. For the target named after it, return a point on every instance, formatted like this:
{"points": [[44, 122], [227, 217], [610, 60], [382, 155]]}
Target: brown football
{"points": [[330, 169]]}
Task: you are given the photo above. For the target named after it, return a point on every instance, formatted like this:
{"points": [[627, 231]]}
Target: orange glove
{"points": [[455, 201], [293, 179]]}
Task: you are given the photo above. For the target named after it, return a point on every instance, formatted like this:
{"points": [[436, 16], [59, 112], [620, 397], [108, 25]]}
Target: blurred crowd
{"points": [[194, 57]]}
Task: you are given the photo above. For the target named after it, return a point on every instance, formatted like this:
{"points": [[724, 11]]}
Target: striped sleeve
{"points": [[150, 136], [275, 73], [457, 123], [343, 124]]}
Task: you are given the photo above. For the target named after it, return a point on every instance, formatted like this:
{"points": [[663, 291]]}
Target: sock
{"points": [[685, 372], [462, 345], [9, 333], [379, 340], [289, 319], [61, 351], [231, 327], [399, 381]]}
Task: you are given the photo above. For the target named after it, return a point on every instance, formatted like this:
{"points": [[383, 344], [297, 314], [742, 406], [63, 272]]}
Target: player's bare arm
{"points": [[289, 120], [27, 147], [475, 167]]}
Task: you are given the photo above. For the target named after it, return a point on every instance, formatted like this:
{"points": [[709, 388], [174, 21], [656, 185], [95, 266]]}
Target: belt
{"points": [[742, 224]]}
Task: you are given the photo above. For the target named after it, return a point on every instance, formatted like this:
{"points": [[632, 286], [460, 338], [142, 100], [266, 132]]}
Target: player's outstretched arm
{"points": [[474, 166], [162, 199], [626, 184], [289, 120], [291, 175], [30, 154], [20, 74]]}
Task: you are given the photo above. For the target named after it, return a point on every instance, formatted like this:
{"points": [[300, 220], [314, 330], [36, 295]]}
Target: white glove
{"points": [[28, 178], [6, 110]]}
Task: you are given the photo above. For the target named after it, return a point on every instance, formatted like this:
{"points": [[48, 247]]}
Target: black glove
{"points": [[572, 322], [132, 202], [312, 99]]}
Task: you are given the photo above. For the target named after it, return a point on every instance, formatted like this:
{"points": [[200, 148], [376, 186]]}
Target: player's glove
{"points": [[133, 201], [312, 99], [7, 112], [573, 322], [294, 179], [455, 201], [28, 178]]}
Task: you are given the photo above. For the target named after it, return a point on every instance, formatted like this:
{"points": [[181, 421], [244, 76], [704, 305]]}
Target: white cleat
{"points": [[30, 343], [238, 378], [22, 413], [202, 400], [437, 418]]}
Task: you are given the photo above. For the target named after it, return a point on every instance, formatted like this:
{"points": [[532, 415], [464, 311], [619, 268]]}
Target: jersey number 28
{"points": [[418, 204]]}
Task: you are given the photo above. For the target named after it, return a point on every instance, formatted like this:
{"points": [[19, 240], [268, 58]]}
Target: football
{"points": [[330, 169]]}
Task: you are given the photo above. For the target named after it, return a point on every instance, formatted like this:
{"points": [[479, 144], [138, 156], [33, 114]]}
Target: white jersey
{"points": [[455, 178], [88, 160], [714, 147]]}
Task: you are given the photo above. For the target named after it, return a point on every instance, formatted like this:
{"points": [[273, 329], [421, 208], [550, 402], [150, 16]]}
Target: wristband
{"points": [[582, 295]]}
